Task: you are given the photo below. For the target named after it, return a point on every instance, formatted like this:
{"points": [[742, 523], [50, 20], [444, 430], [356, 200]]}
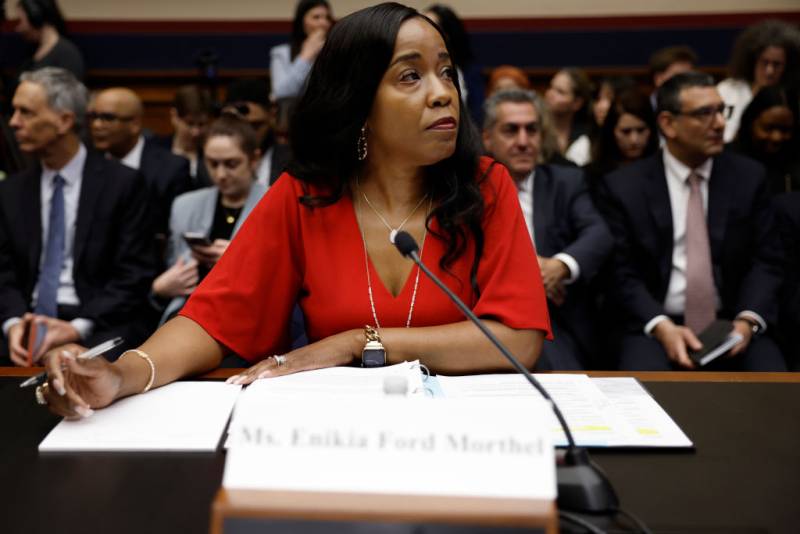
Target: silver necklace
{"points": [[392, 231], [369, 278]]}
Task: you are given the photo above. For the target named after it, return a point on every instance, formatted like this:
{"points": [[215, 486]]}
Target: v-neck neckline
{"points": [[374, 275]]}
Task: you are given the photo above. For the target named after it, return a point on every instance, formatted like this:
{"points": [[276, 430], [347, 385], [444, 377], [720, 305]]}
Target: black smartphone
{"points": [[195, 239]]}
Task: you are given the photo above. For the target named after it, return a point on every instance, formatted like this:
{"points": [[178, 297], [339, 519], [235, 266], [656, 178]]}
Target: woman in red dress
{"points": [[380, 144]]}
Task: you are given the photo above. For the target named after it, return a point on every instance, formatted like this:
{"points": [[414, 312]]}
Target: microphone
{"points": [[582, 486]]}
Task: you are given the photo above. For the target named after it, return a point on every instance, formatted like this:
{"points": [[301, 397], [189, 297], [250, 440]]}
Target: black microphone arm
{"points": [[582, 486]]}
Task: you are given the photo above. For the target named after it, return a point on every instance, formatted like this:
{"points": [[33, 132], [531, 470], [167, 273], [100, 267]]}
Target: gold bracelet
{"points": [[146, 358]]}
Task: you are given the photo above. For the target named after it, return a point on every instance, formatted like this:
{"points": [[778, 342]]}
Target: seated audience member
{"points": [[75, 234], [190, 116], [290, 63], [787, 216], [609, 87], [115, 122], [469, 75], [217, 212], [571, 238], [506, 77], [629, 133], [41, 23], [666, 63], [569, 99], [765, 54], [249, 99], [691, 224], [770, 133]]}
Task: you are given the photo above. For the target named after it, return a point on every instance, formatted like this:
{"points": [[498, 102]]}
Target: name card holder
{"points": [[388, 466]]}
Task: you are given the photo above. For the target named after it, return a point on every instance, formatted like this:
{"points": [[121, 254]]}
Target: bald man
{"points": [[115, 120]]}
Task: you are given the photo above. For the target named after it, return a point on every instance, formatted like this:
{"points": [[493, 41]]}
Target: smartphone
{"points": [[194, 239], [33, 339]]}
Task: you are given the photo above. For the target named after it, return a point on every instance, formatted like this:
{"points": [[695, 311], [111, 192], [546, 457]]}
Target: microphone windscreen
{"points": [[405, 243]]}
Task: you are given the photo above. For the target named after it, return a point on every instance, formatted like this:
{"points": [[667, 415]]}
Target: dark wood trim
{"points": [[550, 23], [644, 376]]}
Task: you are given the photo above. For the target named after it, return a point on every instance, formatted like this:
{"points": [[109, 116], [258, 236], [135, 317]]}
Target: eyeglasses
{"points": [[107, 117], [706, 114]]}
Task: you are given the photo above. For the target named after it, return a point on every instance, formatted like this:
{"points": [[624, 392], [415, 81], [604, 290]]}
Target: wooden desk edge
{"points": [[369, 507], [647, 376]]}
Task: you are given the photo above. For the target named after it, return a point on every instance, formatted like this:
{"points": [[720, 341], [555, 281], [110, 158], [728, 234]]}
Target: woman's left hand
{"points": [[333, 351]]}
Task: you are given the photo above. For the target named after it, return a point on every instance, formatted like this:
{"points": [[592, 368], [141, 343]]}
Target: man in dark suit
{"points": [[571, 238], [690, 225], [787, 220], [75, 240], [115, 121]]}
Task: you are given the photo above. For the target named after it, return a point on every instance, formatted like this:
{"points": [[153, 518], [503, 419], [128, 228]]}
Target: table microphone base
{"points": [[582, 486]]}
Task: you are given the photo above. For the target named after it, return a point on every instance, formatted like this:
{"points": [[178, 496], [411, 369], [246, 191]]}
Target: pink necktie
{"points": [[700, 309]]}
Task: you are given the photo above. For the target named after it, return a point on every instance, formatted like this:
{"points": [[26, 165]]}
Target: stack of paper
{"points": [[603, 412], [184, 416]]}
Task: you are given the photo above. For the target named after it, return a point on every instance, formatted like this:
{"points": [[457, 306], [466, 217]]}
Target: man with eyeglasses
{"points": [[76, 256], [248, 99], [690, 225], [115, 123], [571, 238]]}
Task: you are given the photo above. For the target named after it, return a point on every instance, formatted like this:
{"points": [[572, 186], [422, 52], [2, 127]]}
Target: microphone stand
{"points": [[582, 486]]}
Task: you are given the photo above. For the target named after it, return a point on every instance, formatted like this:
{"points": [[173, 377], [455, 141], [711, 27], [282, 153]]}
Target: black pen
{"points": [[97, 350]]}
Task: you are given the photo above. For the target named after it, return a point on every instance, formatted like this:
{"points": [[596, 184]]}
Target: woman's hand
{"points": [[179, 280], [333, 351], [210, 255], [312, 45], [78, 387]]}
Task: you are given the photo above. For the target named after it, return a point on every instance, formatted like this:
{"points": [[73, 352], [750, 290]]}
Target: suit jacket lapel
{"points": [[657, 194], [32, 213], [91, 187], [719, 192], [542, 189]]}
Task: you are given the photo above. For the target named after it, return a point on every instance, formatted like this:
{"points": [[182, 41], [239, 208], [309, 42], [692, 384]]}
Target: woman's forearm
{"points": [[460, 348], [178, 349]]}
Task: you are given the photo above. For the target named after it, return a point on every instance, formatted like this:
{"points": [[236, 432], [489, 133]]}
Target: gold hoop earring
{"points": [[361, 144]]}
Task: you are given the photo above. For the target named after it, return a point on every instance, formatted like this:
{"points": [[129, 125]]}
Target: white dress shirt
{"points": [[133, 159], [525, 196], [72, 173], [677, 175]]}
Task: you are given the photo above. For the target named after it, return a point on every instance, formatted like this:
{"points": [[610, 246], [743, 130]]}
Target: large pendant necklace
{"points": [[392, 231], [369, 278]]}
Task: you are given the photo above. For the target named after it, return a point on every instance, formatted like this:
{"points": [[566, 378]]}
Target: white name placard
{"points": [[460, 447]]}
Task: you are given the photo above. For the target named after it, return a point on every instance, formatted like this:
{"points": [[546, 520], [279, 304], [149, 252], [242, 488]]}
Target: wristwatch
{"points": [[374, 354]]}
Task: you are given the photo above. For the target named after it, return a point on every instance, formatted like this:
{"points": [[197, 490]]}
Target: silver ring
{"points": [[40, 394], [280, 359]]}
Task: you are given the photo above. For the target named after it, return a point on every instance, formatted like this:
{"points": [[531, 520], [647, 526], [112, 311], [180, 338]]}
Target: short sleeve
{"points": [[245, 302], [508, 274]]}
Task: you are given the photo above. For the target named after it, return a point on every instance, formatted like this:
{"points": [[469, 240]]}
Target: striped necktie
{"points": [[46, 302]]}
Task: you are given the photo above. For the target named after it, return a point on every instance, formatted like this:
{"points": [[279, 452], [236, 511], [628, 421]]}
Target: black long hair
{"points": [[335, 105], [298, 32]]}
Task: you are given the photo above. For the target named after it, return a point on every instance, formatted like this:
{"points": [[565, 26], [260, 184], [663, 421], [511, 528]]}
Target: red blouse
{"points": [[286, 252]]}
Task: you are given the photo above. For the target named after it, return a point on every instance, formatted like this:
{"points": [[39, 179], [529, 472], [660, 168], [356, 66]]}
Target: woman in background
{"points": [[41, 23], [629, 132], [765, 54], [770, 133], [215, 213], [290, 63], [569, 100], [506, 77], [190, 116]]}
